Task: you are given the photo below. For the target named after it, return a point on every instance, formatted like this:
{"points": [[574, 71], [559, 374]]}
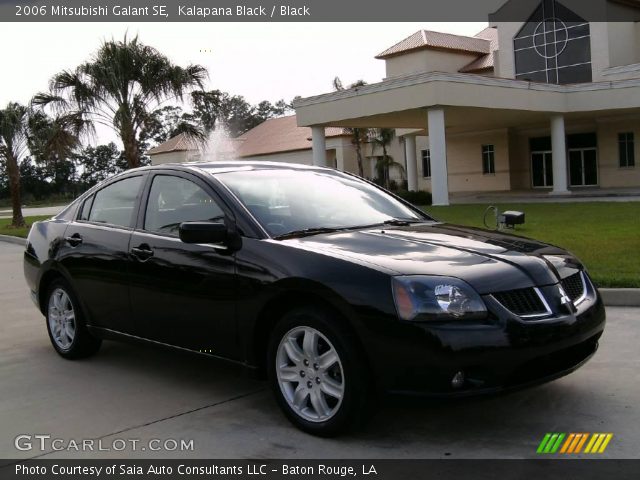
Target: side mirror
{"points": [[203, 232]]}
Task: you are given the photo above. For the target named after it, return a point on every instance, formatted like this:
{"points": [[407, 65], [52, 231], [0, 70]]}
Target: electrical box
{"points": [[511, 218]]}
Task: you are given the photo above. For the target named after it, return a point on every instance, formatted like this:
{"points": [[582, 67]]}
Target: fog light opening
{"points": [[458, 380]]}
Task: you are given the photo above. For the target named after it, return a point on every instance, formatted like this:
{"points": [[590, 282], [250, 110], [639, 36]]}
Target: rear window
{"points": [[115, 204]]}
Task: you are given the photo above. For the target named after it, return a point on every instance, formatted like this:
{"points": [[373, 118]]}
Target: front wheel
{"points": [[317, 373], [65, 324]]}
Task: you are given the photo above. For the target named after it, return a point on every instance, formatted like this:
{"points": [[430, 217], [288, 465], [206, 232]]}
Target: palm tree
{"points": [[13, 146], [52, 140], [382, 137], [358, 135], [119, 87]]}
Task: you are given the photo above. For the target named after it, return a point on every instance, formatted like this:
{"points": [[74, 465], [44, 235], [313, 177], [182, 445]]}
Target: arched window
{"points": [[554, 46]]}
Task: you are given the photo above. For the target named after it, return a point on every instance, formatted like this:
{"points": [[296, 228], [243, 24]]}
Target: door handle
{"points": [[74, 240], [142, 252]]}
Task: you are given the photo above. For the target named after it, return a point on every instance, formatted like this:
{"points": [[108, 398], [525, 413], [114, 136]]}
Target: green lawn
{"points": [[19, 232], [604, 235]]}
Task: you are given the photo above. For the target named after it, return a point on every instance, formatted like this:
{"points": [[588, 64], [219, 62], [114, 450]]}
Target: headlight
{"points": [[419, 297]]}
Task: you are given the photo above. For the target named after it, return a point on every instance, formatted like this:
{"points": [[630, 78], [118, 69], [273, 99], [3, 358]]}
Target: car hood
{"points": [[489, 261]]}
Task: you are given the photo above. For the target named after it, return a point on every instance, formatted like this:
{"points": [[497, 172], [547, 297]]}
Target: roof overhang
{"points": [[401, 102]]}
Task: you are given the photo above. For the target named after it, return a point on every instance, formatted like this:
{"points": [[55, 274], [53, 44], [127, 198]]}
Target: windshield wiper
{"points": [[306, 232], [399, 222]]}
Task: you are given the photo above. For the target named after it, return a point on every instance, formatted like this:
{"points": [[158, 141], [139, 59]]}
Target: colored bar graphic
{"points": [[581, 443], [543, 443], [605, 443], [599, 443], [567, 443], [555, 447], [590, 444], [551, 443], [573, 443]]}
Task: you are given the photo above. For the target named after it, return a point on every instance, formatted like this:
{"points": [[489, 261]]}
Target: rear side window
{"points": [[115, 204], [86, 209], [173, 200]]}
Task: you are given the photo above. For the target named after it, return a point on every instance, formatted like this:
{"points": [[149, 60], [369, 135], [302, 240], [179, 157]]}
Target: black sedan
{"points": [[332, 287]]}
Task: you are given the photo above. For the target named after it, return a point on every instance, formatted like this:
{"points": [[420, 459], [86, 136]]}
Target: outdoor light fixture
{"points": [[511, 218], [508, 219]]}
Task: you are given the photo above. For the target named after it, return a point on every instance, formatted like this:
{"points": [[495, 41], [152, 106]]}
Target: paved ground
{"points": [[132, 392], [28, 212]]}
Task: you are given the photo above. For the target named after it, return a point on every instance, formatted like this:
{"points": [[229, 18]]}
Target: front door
{"points": [[541, 169], [583, 167], [182, 294]]}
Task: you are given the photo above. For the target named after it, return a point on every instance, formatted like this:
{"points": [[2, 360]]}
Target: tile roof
{"points": [[179, 143], [271, 136], [485, 62], [438, 40], [279, 135]]}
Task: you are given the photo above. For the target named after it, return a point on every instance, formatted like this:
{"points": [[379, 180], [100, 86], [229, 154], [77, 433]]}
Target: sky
{"points": [[260, 61]]}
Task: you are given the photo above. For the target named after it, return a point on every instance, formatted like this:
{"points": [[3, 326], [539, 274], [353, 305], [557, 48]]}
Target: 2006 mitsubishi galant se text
{"points": [[334, 288]]}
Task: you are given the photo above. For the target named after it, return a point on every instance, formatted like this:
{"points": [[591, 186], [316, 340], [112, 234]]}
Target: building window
{"points": [[488, 159], [625, 149], [426, 163], [554, 46]]}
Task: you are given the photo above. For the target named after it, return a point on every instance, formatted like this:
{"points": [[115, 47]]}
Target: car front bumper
{"points": [[502, 353]]}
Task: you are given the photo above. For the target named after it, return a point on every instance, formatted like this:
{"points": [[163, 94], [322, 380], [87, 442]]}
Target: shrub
{"points": [[420, 197]]}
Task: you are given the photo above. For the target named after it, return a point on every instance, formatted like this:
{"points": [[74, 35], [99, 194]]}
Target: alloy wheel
{"points": [[310, 374], [62, 318]]}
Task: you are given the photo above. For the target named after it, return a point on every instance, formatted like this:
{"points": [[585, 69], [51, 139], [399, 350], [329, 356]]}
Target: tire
{"points": [[323, 386], [66, 324]]}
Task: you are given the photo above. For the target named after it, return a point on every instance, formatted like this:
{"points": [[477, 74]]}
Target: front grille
{"points": [[574, 286], [523, 302], [554, 363]]}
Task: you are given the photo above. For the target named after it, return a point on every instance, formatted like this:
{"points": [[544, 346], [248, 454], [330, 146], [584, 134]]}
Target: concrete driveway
{"points": [[130, 392]]}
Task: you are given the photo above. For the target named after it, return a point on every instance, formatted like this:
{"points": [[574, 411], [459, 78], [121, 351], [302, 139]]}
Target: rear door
{"points": [[96, 248], [182, 294]]}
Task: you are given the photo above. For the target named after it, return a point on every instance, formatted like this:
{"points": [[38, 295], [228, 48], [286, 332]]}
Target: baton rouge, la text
{"points": [[244, 11]]}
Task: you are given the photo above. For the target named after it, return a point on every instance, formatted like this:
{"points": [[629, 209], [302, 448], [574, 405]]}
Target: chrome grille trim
{"points": [[536, 315], [582, 297], [569, 286]]}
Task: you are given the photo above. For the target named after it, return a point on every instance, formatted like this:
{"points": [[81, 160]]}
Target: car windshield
{"points": [[290, 201]]}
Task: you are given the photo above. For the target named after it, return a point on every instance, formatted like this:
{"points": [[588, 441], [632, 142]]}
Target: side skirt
{"points": [[108, 334]]}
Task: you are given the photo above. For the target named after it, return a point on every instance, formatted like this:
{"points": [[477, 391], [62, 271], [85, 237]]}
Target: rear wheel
{"points": [[67, 330], [317, 373]]}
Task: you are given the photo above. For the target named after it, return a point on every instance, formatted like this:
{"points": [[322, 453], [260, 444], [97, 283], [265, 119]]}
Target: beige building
{"points": [[551, 104]]}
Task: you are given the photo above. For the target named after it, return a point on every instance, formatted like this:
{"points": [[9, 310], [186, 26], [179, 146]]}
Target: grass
{"points": [[5, 229], [604, 235]]}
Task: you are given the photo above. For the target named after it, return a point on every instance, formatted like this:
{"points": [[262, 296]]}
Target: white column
{"points": [[412, 165], [438, 148], [319, 146], [559, 155], [339, 159]]}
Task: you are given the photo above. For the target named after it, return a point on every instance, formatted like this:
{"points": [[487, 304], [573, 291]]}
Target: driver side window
{"points": [[173, 200]]}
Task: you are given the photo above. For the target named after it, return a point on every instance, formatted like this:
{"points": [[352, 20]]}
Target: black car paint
{"points": [[224, 301]]}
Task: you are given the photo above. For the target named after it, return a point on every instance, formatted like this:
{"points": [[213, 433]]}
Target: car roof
{"points": [[234, 166]]}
